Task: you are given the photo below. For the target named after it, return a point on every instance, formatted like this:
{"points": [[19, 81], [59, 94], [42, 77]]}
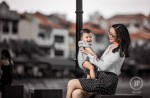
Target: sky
{"points": [[106, 8]]}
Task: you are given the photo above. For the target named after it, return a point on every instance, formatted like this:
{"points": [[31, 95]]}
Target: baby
{"points": [[85, 42]]}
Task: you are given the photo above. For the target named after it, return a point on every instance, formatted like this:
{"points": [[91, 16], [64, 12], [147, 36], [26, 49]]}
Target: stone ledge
{"points": [[13, 91], [119, 96], [46, 93]]}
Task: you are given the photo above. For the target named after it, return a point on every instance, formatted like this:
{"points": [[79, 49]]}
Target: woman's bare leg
{"points": [[78, 93], [72, 85], [89, 66]]}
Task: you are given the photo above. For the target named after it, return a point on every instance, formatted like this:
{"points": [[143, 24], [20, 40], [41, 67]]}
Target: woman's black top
{"points": [[6, 77]]}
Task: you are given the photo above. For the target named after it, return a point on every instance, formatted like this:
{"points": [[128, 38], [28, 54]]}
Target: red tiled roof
{"points": [[26, 16], [72, 29], [130, 16], [140, 35], [94, 30], [61, 20], [44, 21], [149, 17]]}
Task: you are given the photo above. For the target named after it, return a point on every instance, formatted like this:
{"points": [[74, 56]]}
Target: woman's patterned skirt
{"points": [[104, 84]]}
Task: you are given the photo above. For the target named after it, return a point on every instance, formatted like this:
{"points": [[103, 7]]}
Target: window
{"points": [[5, 26], [59, 53], [59, 39], [15, 27], [41, 35], [137, 25], [44, 34]]}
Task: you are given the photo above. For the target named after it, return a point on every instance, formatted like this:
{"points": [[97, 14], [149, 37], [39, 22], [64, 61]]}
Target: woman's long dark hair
{"points": [[5, 54], [123, 38]]}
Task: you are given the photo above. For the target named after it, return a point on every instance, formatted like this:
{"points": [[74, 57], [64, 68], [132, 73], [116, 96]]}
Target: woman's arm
{"points": [[4, 62], [107, 61]]}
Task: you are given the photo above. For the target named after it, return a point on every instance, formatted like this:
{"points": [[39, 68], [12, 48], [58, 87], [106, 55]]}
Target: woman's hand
{"points": [[84, 51]]}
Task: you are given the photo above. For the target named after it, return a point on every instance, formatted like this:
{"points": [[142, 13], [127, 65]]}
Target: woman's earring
{"points": [[118, 40]]}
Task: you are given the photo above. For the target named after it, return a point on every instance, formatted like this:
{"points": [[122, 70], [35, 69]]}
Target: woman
{"points": [[108, 66], [6, 67]]}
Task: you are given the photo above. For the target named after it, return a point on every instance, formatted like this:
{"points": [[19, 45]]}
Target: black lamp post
{"points": [[79, 22], [78, 72]]}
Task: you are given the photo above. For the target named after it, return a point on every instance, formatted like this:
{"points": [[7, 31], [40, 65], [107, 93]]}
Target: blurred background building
{"points": [[43, 46]]}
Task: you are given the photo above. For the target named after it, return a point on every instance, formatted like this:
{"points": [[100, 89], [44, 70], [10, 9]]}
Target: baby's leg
{"points": [[90, 67], [88, 76]]}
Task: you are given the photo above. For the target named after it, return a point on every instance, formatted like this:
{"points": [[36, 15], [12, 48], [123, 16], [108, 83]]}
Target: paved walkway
{"points": [[123, 86]]}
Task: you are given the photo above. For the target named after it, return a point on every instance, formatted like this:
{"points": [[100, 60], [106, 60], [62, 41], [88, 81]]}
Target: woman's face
{"points": [[112, 35], [3, 57]]}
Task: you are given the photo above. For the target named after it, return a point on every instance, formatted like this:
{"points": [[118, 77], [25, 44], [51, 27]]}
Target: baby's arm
{"points": [[86, 46], [90, 51]]}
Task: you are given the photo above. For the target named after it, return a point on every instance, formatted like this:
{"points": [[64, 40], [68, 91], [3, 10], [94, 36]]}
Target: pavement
{"points": [[123, 87]]}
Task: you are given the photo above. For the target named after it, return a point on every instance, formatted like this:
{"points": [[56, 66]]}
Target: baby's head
{"points": [[86, 35]]}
